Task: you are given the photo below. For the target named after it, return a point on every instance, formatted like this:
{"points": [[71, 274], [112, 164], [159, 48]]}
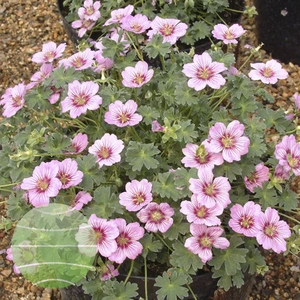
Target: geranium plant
{"points": [[176, 158]]}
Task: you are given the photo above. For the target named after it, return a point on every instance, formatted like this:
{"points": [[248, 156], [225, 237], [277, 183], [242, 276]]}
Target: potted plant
{"points": [[134, 157]]}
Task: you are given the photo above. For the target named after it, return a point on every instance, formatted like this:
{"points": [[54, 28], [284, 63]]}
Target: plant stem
{"points": [[130, 271], [291, 218], [191, 291], [162, 240], [146, 278]]}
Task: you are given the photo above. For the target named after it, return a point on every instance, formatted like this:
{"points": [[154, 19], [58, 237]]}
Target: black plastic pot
{"points": [[278, 27]]}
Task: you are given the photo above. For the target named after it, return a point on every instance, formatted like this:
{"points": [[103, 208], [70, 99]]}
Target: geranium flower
{"points": [[81, 97], [257, 178], [90, 10], [268, 73], [229, 140], [81, 199], [203, 239], [43, 184], [9, 256], [122, 115], [137, 76], [156, 127], [68, 173], [203, 71], [107, 150], [228, 34], [80, 60], [156, 216], [138, 194], [200, 214], [84, 25], [244, 218], [102, 63], [170, 29], [272, 231], [210, 191], [201, 157], [127, 241], [49, 52], [297, 101], [118, 15], [108, 271], [136, 24], [44, 72], [80, 142]]}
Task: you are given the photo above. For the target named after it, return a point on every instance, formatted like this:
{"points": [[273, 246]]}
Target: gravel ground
{"points": [[24, 26]]}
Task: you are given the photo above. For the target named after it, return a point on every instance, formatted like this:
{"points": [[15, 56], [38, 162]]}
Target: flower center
{"points": [[100, 236], [293, 161], [42, 184], [205, 242], [210, 190], [201, 212], [267, 72], [139, 78], [229, 35], [138, 198], [64, 178], [246, 222], [270, 230], [167, 29], [123, 117], [122, 240], [136, 27], [227, 141], [78, 62], [17, 101], [80, 100], [90, 10], [201, 154], [87, 23], [104, 152], [204, 73], [156, 216], [49, 55]]}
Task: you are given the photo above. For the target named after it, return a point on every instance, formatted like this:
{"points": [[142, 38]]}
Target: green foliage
{"points": [[156, 47], [17, 206], [119, 290], [267, 197]]}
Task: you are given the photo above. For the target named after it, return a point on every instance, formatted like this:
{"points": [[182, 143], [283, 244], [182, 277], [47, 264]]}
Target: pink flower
{"points": [[84, 25], [297, 101], [138, 194], [90, 10], [118, 15], [203, 239], [288, 154], [43, 184], [280, 173], [122, 115], [272, 231], [9, 256], [170, 29], [244, 218], [228, 35], [137, 76], [80, 60], [81, 199], [269, 72], [156, 127], [13, 100], [107, 150], [127, 241], [200, 157], [43, 73], [230, 141], [79, 142], [108, 271], [157, 217], [257, 178], [68, 173], [102, 63], [200, 214], [136, 24], [54, 97], [49, 52], [203, 71], [210, 191], [81, 97]]}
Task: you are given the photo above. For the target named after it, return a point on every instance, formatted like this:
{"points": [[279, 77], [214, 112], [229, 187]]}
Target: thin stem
{"points": [[291, 218], [249, 57], [5, 190], [10, 184], [221, 19], [140, 56], [130, 271], [162, 240], [234, 10], [146, 278], [191, 291]]}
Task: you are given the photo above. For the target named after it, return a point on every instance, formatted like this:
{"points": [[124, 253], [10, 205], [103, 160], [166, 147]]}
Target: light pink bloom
{"points": [[244, 218], [297, 101], [203, 239], [49, 52], [13, 100], [272, 231], [200, 214], [210, 191], [257, 178], [81, 97], [54, 97], [280, 173], [44, 72], [102, 63], [80, 142], [136, 24], [43, 184], [9, 256], [229, 140], [228, 35], [138, 194], [127, 241], [122, 115], [108, 271], [203, 71], [201, 157], [83, 25], [157, 217], [80, 60], [156, 127], [107, 150], [118, 14], [81, 199], [68, 173], [170, 29], [268, 73], [137, 76], [288, 154], [90, 10]]}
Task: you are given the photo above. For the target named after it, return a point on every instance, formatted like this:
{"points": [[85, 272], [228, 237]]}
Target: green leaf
{"points": [[56, 143], [254, 259], [288, 199], [171, 285], [267, 197], [178, 227], [17, 206], [111, 48], [255, 127], [156, 47], [182, 177], [119, 290], [242, 106], [150, 245], [184, 95], [262, 92], [149, 114], [186, 132], [140, 155], [229, 170], [183, 258], [38, 98], [257, 147], [200, 30], [110, 94]]}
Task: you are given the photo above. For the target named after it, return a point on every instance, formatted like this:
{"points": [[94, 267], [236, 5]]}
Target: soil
{"points": [[25, 25]]}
